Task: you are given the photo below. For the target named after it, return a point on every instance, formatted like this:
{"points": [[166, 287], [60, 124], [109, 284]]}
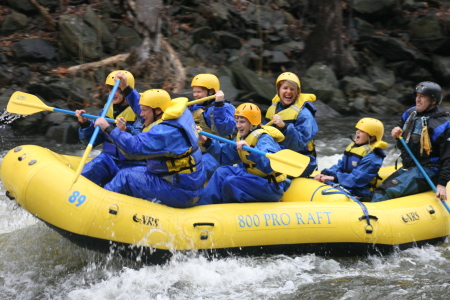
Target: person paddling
{"points": [[253, 179], [105, 166]]}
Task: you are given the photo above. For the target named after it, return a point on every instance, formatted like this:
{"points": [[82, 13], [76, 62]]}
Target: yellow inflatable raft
{"points": [[307, 220]]}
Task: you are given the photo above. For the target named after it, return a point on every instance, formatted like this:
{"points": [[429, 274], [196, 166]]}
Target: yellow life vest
{"points": [[128, 114], [252, 140], [291, 113]]}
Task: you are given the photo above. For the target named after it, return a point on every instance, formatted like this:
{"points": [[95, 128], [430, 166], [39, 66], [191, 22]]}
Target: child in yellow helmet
{"points": [[215, 116], [361, 161], [253, 179]]}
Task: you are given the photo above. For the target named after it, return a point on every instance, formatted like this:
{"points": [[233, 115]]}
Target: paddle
{"points": [[26, 104], [433, 187], [200, 100], [285, 161], [94, 135]]}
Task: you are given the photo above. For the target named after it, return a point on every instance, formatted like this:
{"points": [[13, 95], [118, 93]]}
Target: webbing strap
{"points": [[341, 190]]}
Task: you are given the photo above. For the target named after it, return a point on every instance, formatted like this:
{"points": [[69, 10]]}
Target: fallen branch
{"points": [[180, 73], [47, 17], [98, 64]]}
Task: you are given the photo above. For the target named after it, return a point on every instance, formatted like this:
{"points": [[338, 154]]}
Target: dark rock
{"points": [[34, 50]]}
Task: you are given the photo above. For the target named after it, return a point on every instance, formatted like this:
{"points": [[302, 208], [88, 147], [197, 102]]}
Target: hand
{"points": [[80, 118], [318, 177], [240, 144], [219, 96], [323, 178], [277, 120], [122, 124], [396, 132], [123, 80], [441, 192], [102, 123]]}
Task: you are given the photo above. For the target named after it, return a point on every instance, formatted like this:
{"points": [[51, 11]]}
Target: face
{"points": [[199, 92], [361, 137], [287, 93], [243, 125], [147, 114], [118, 98], [422, 102]]}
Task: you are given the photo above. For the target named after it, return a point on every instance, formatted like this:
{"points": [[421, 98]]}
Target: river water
{"points": [[37, 263]]}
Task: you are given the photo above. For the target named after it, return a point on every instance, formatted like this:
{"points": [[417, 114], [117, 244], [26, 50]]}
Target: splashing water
{"points": [[8, 118]]}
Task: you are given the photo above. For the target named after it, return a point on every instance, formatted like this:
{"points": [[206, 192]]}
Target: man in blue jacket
{"points": [[169, 143], [426, 130]]}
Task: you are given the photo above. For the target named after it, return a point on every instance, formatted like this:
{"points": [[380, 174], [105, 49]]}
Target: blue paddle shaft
{"points": [[422, 170], [69, 112], [105, 110], [232, 143]]}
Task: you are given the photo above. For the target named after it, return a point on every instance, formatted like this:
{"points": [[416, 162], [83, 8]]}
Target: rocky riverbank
{"points": [[63, 53]]}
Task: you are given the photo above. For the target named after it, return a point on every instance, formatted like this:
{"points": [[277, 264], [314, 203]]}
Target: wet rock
{"points": [[441, 66]]}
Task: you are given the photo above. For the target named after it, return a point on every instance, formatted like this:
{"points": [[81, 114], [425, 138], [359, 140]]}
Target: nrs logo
{"points": [[411, 217], [146, 220]]}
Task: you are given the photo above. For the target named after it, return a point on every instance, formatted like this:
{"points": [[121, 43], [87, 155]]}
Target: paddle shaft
{"points": [[96, 131], [201, 100], [433, 187], [83, 115], [245, 147]]}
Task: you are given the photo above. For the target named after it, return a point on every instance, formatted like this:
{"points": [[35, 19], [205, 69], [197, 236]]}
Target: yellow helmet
{"points": [[372, 127], [209, 81], [288, 76], [156, 98], [112, 75], [249, 111]]}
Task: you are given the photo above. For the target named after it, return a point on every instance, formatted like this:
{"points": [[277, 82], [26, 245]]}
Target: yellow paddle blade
{"points": [[288, 162], [25, 104]]}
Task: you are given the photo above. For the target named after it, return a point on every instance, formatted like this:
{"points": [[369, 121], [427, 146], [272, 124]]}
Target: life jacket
{"points": [[290, 115], [353, 155], [170, 163], [252, 139], [108, 146], [416, 135], [200, 119]]}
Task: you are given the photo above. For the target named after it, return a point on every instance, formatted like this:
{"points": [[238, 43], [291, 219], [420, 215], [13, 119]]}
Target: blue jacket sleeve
{"points": [[299, 134], [224, 153], [85, 134], [361, 175], [224, 119], [265, 144], [161, 140], [133, 101]]}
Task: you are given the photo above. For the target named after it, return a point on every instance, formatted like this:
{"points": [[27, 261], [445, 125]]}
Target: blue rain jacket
{"points": [[234, 184], [169, 138], [357, 179], [105, 166]]}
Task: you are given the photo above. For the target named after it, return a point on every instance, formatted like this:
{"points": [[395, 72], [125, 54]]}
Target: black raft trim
{"points": [[157, 256]]}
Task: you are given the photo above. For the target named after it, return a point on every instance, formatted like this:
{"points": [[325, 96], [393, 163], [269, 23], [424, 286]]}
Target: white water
{"points": [[37, 263]]}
